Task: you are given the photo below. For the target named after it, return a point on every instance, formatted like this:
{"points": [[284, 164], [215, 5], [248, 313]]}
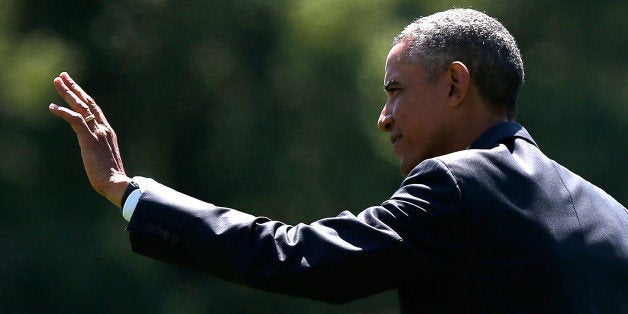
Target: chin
{"points": [[407, 166], [405, 169]]}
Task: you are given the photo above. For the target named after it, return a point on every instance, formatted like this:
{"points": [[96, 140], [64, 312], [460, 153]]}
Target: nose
{"points": [[385, 120]]}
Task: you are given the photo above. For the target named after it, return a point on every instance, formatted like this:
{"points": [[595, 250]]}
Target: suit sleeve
{"points": [[405, 240]]}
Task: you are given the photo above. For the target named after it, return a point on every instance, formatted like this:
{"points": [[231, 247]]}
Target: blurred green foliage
{"points": [[265, 106]]}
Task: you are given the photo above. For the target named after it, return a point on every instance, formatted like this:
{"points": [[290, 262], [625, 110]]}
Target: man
{"points": [[482, 222]]}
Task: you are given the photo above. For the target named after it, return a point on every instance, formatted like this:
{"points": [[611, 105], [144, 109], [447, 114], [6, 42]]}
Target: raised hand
{"points": [[97, 139]]}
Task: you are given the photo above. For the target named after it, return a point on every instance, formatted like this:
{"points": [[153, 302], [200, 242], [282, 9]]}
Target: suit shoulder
{"points": [[474, 161]]}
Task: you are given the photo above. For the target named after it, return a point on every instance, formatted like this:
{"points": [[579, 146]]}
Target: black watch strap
{"points": [[130, 188]]}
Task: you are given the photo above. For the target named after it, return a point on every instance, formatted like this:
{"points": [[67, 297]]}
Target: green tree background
{"points": [[265, 106]]}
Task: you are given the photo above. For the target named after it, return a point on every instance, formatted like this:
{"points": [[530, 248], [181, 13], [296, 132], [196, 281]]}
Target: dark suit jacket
{"points": [[498, 227]]}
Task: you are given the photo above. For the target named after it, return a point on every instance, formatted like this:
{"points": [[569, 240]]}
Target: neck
{"points": [[475, 121]]}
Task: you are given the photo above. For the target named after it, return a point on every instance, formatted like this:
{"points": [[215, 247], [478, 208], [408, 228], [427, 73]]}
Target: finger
{"points": [[72, 117], [74, 87], [82, 95], [70, 97]]}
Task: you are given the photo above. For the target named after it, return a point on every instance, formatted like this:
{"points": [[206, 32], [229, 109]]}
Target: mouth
{"points": [[394, 138]]}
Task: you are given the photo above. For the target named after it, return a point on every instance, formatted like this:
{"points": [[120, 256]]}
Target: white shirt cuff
{"points": [[131, 201], [130, 204]]}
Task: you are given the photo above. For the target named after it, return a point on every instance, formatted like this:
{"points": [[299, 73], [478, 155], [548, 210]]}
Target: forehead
{"points": [[395, 55], [398, 69]]}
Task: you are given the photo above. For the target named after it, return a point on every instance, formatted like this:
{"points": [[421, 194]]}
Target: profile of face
{"points": [[417, 113]]}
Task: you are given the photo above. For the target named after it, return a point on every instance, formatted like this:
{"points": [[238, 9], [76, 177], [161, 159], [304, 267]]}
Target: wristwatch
{"points": [[129, 189]]}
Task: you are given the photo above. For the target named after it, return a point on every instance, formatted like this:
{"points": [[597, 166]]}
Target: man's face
{"points": [[416, 113]]}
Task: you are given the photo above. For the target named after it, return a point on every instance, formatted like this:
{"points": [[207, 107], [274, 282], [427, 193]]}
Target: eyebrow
{"points": [[390, 83]]}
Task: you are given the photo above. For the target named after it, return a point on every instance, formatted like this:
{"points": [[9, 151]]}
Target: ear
{"points": [[460, 81]]}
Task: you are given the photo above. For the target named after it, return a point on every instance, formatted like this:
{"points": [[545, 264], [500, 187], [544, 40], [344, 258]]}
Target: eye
{"points": [[391, 87], [392, 90]]}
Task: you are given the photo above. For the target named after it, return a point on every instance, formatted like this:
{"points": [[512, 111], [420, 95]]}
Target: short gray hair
{"points": [[479, 41]]}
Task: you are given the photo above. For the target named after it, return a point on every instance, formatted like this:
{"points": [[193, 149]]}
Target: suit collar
{"points": [[500, 132]]}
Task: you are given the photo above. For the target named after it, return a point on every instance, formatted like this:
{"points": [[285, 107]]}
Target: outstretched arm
{"points": [[97, 139]]}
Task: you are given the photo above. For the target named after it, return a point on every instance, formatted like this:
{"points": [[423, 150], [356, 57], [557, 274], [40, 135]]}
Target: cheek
{"points": [[420, 131], [416, 143], [405, 111], [415, 120]]}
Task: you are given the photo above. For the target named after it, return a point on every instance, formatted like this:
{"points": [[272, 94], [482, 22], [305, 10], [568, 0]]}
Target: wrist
{"points": [[116, 188]]}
